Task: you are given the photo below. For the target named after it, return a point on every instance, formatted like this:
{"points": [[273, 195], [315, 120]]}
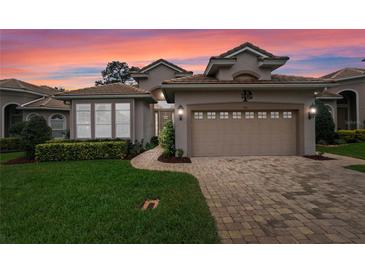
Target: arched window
{"points": [[30, 115], [58, 124]]}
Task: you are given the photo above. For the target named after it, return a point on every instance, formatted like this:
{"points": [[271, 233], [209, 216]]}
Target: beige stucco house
{"points": [[346, 99], [238, 106], [20, 100]]}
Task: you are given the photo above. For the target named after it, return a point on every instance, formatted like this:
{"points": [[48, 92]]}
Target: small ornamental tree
{"points": [[36, 131], [325, 127], [16, 129], [167, 139]]}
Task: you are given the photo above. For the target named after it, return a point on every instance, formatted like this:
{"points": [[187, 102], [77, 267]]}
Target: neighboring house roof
{"points": [[114, 90], [164, 62], [345, 73], [45, 103], [275, 78], [252, 47], [15, 84]]}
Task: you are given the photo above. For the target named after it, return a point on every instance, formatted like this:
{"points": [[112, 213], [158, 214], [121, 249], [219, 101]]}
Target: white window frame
{"points": [[249, 115], [88, 124], [116, 109], [198, 115], [64, 125], [274, 115], [223, 115], [236, 115], [262, 115], [287, 114], [30, 114], [211, 115]]}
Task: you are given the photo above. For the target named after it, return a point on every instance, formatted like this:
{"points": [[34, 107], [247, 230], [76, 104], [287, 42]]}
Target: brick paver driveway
{"points": [[278, 199]]}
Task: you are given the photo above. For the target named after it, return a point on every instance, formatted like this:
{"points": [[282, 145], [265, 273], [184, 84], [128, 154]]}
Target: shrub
{"points": [[53, 141], [81, 151], [133, 149], [167, 139], [153, 143], [352, 136], [325, 127], [10, 144], [36, 131], [322, 142], [340, 142], [179, 153], [16, 129]]}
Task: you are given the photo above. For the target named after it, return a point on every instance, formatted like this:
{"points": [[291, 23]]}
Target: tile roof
{"points": [[275, 78], [167, 62], [252, 46], [345, 73], [110, 89], [326, 93], [47, 102], [21, 85]]}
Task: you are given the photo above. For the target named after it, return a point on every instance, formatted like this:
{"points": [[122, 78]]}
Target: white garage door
{"points": [[235, 133]]}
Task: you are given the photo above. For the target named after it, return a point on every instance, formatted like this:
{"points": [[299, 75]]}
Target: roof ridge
{"points": [[166, 61], [247, 44]]}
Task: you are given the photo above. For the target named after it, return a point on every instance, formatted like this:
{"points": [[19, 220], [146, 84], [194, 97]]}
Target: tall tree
{"points": [[116, 72]]}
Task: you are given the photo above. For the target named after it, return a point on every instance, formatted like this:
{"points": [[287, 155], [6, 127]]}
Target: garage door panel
{"points": [[234, 137]]}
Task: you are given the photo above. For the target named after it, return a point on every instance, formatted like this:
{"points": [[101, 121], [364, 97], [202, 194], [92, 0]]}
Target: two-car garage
{"points": [[237, 132]]}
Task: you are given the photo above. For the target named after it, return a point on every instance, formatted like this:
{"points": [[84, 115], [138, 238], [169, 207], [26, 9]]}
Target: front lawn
{"points": [[360, 168], [99, 202], [356, 150]]}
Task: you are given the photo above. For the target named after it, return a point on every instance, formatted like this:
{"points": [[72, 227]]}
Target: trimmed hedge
{"points": [[57, 141], [81, 151], [10, 144], [352, 136]]}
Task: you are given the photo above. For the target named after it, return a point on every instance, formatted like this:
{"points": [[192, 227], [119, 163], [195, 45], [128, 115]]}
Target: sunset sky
{"points": [[74, 58]]}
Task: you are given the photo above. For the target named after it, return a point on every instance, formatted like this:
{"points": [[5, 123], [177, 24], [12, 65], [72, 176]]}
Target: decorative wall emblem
{"points": [[246, 95]]}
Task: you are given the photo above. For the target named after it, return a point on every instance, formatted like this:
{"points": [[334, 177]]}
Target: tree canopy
{"points": [[116, 72]]}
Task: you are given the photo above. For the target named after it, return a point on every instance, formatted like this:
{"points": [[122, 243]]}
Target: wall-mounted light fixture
{"points": [[180, 112], [312, 112]]}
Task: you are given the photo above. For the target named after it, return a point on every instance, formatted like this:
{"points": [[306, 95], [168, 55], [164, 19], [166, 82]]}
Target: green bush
{"points": [[10, 144], [167, 139], [81, 151], [57, 141], [36, 131], [133, 149], [16, 129], [153, 143], [352, 136], [340, 142], [179, 153], [325, 127]]}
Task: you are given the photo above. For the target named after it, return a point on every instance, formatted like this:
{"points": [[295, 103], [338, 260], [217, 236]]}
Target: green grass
{"points": [[356, 150], [99, 202], [9, 156], [360, 168]]}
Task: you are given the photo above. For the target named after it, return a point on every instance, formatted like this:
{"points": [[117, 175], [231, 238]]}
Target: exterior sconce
{"points": [[312, 112], [180, 112]]}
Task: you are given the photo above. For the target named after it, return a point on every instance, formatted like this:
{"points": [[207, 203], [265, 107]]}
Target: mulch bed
{"points": [[21, 160], [174, 160], [318, 157]]}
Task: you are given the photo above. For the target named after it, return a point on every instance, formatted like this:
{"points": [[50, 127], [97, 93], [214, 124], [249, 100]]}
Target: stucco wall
{"points": [[156, 76], [245, 62], [283, 98], [46, 114], [141, 126], [11, 97], [358, 86]]}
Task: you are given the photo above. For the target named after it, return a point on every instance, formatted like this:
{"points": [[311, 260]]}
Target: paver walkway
{"points": [[275, 199]]}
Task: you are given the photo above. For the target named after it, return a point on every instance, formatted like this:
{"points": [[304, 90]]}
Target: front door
{"points": [[164, 116], [342, 117]]}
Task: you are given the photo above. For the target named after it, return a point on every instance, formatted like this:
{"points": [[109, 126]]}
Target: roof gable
{"points": [[163, 62], [246, 47]]}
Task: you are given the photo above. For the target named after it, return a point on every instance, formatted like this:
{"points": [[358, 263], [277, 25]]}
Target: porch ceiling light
{"points": [[180, 112], [312, 112]]}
